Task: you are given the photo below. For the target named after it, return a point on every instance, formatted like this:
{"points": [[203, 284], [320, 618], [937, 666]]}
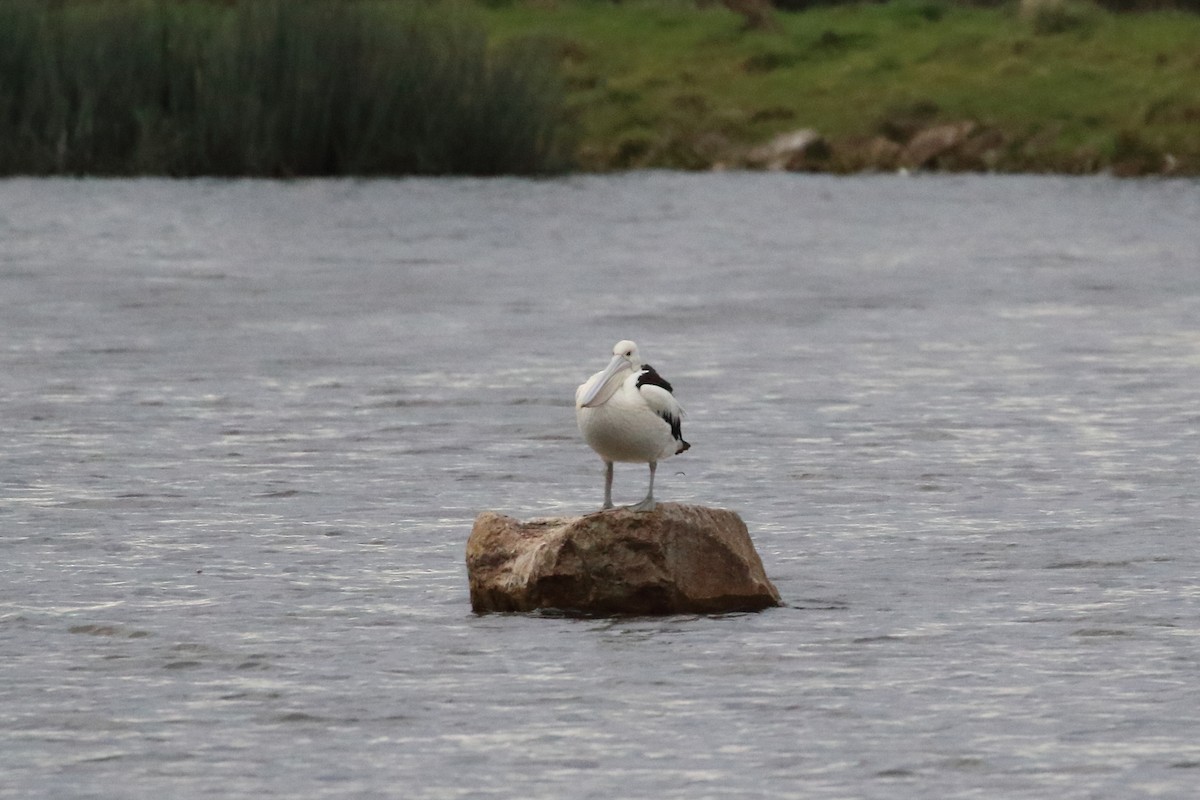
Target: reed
{"points": [[271, 88]]}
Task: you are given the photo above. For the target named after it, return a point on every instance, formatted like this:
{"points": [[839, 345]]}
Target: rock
{"points": [[784, 149], [677, 559], [982, 151], [813, 158], [875, 153], [929, 144], [882, 153]]}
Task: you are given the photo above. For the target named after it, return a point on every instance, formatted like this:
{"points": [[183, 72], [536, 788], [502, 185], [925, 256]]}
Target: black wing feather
{"points": [[649, 375]]}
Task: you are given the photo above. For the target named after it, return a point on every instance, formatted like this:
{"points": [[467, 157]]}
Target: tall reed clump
{"points": [[270, 88]]}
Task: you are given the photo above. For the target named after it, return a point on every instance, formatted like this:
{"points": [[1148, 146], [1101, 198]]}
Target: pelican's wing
{"points": [[655, 390]]}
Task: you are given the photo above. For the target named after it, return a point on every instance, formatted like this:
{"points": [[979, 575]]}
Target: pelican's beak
{"points": [[597, 385]]}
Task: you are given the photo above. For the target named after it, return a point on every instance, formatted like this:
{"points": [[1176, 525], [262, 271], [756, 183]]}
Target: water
{"points": [[247, 425]]}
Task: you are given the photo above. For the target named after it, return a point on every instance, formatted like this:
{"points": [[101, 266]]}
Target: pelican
{"points": [[626, 412]]}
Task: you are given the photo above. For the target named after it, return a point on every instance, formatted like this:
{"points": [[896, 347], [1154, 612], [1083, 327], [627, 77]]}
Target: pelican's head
{"points": [[625, 360], [628, 351]]}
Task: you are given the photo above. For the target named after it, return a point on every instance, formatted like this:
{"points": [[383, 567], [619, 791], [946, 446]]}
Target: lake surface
{"points": [[247, 426]]}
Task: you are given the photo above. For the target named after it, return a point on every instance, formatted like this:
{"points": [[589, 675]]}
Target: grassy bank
{"points": [[270, 87], [1068, 89], [368, 87]]}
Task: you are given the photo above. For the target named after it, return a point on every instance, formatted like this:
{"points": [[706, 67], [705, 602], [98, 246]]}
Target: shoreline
{"points": [[909, 84]]}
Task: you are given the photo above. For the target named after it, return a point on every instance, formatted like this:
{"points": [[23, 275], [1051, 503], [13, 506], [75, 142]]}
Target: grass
{"points": [[368, 87], [271, 87], [1067, 88]]}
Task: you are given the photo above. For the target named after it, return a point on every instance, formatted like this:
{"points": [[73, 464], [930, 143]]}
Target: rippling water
{"points": [[247, 425]]}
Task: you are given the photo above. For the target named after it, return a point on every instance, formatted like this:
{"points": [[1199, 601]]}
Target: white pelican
{"points": [[626, 412]]}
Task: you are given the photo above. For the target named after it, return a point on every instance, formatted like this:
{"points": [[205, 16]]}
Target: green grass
{"points": [[663, 83], [271, 87], [319, 87]]}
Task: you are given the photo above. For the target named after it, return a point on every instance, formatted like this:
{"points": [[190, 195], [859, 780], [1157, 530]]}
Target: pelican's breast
{"points": [[626, 428]]}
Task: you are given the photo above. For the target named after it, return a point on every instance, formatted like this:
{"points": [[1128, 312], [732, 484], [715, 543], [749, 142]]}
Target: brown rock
{"points": [[785, 148], [982, 150], [875, 153], [883, 153], [814, 158], [677, 559], [933, 142]]}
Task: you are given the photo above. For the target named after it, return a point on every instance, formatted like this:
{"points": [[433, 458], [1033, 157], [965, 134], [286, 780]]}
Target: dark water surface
{"points": [[246, 427]]}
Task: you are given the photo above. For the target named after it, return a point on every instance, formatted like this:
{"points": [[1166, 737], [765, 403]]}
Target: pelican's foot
{"points": [[606, 506], [646, 505]]}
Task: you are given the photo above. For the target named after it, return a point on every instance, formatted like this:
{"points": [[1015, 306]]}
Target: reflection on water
{"points": [[247, 426]]}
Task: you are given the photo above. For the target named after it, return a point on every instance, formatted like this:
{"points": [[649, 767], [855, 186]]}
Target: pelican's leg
{"points": [[648, 503], [608, 475]]}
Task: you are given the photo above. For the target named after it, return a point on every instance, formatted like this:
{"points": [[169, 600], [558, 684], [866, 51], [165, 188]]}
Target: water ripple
{"points": [[248, 426]]}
